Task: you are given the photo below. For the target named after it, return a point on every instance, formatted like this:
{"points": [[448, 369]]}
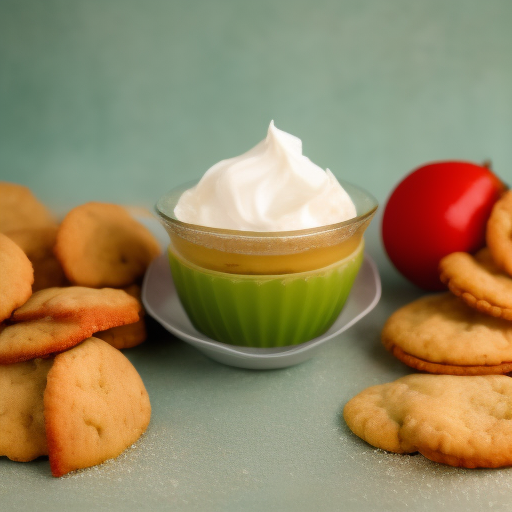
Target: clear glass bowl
{"points": [[265, 289], [267, 253]]}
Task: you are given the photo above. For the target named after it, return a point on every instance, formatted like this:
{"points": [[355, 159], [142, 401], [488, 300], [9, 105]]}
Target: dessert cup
{"points": [[265, 289]]}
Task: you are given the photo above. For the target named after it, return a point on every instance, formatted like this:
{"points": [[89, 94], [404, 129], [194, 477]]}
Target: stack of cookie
{"points": [[64, 391], [463, 417], [467, 331]]}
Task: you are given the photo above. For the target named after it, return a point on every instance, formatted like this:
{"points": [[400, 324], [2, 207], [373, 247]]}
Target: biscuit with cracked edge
{"points": [[56, 319], [17, 277], [499, 233], [100, 244], [439, 333], [37, 243], [461, 421], [22, 431], [95, 406], [20, 209], [478, 282]]}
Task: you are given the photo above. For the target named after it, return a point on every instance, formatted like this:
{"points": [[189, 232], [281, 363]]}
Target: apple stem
{"points": [[487, 164]]}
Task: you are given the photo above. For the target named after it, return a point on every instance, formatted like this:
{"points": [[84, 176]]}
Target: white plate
{"points": [[162, 303]]}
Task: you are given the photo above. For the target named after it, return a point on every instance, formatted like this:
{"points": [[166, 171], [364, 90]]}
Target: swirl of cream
{"points": [[272, 187]]}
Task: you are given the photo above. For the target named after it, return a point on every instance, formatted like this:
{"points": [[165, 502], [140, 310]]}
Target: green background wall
{"points": [[119, 100]]}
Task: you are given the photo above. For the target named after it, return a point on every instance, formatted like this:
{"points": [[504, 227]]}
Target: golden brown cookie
{"points": [[20, 209], [39, 338], [440, 334], [37, 244], [124, 336], [129, 335], [499, 233], [22, 431], [449, 369], [102, 306], [16, 278], [56, 319], [478, 282], [100, 244], [95, 406], [460, 421]]}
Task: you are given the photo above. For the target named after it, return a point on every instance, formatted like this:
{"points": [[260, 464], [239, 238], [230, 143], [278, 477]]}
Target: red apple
{"points": [[439, 208]]}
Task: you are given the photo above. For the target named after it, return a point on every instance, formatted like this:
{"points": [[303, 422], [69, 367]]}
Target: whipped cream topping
{"points": [[272, 187]]}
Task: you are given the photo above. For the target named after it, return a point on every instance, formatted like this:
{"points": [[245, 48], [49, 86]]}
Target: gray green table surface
{"points": [[121, 100]]}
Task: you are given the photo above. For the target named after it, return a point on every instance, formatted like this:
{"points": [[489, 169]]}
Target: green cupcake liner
{"points": [[264, 311]]}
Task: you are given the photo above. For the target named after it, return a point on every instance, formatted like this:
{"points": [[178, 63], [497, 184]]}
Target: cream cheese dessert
{"points": [[266, 246]]}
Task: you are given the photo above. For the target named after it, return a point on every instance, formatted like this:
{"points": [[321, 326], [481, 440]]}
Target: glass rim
{"points": [[173, 195]]}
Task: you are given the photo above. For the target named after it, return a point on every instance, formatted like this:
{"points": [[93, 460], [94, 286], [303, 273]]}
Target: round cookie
{"points": [[95, 406], [448, 369], [102, 306], [124, 336], [440, 334], [478, 282], [37, 244], [129, 335], [22, 431], [20, 209], [460, 421], [17, 277], [39, 338], [499, 233], [100, 244]]}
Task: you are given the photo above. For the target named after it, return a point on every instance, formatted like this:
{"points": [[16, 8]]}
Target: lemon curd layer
{"points": [[304, 259], [264, 310]]}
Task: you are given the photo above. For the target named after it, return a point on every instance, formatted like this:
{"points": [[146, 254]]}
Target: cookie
{"points": [[449, 369], [479, 282], [124, 336], [56, 319], [102, 306], [499, 233], [17, 277], [37, 244], [440, 334], [38, 338], [100, 244], [22, 430], [95, 406], [129, 335], [20, 209], [460, 421]]}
